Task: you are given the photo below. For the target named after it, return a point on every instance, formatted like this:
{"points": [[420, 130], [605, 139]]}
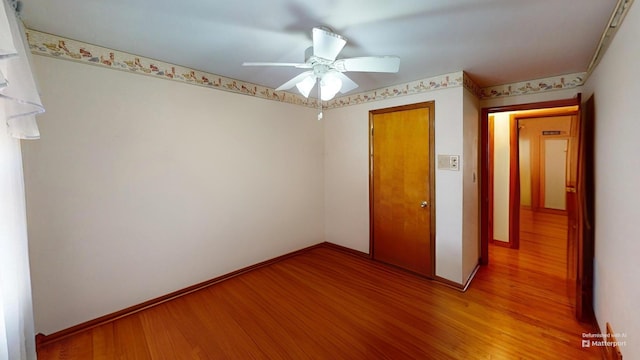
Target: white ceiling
{"points": [[494, 41]]}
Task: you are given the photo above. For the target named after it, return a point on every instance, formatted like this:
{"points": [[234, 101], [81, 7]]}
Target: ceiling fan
{"points": [[329, 71]]}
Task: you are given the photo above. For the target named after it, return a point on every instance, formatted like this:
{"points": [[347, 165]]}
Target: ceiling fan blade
{"points": [[347, 84], [291, 83], [297, 65], [326, 44], [386, 64]]}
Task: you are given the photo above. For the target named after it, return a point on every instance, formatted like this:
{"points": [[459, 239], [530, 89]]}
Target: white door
{"points": [[555, 173]]}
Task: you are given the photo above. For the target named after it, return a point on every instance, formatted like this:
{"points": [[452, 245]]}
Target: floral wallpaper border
{"points": [[452, 80], [68, 49], [561, 82]]}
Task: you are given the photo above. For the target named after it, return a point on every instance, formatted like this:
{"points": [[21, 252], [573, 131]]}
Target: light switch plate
{"points": [[449, 162]]}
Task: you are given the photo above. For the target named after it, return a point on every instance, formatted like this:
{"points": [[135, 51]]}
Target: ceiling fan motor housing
{"points": [[313, 60], [308, 54]]}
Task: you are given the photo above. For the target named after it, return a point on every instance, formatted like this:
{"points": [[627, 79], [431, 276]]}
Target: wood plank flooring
{"points": [[543, 239], [328, 304]]}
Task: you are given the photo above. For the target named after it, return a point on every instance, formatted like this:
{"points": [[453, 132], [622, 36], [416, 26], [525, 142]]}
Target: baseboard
{"points": [[455, 285], [441, 280], [500, 243], [612, 352], [471, 276], [42, 339], [607, 352], [449, 283], [346, 250]]}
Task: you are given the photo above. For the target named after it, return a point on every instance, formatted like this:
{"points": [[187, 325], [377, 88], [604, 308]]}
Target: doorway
{"points": [[402, 187], [540, 203], [532, 155], [547, 157]]}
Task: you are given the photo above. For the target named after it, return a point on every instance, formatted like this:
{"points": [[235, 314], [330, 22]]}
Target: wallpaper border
{"points": [[59, 47], [451, 80], [67, 49], [528, 87]]}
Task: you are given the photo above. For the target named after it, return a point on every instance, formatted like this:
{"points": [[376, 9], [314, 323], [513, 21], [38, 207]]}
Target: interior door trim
{"points": [[584, 249], [485, 162], [513, 241]]}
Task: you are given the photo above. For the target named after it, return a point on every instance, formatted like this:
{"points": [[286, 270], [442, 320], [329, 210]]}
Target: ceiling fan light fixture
{"points": [[306, 85], [330, 84], [324, 69]]}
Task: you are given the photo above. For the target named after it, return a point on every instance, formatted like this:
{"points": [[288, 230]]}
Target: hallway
{"points": [[543, 242], [534, 279]]}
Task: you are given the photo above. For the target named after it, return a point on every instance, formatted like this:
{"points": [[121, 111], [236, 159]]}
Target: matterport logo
{"points": [[591, 340]]}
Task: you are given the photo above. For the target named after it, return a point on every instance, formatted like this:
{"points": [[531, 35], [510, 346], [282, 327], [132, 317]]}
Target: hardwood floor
{"points": [[543, 238], [328, 304]]}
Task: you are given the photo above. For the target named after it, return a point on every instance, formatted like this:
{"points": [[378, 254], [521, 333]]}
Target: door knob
{"points": [[424, 204]]}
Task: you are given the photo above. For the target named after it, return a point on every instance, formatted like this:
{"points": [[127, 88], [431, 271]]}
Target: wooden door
{"points": [[585, 214], [402, 179]]}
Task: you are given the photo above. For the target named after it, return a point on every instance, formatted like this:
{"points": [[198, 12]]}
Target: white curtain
{"points": [[18, 91], [17, 336], [19, 103]]}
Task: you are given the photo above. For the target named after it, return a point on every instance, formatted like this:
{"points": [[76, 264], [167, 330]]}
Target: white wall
{"points": [[142, 186], [470, 180], [616, 90], [347, 176]]}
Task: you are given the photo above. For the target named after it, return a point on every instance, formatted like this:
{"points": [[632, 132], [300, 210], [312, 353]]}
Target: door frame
{"points": [[514, 191], [537, 194], [583, 255], [485, 162], [431, 105]]}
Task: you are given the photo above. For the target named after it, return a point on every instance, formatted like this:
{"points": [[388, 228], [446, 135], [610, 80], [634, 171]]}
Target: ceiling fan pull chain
{"points": [[319, 102]]}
